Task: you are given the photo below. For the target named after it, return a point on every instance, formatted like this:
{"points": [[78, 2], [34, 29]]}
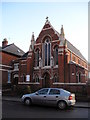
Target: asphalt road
{"points": [[18, 110]]}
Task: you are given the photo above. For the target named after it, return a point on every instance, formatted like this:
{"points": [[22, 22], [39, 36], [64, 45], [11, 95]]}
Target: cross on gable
{"points": [[47, 18]]}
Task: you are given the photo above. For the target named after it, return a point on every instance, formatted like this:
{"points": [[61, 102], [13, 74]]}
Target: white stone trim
{"points": [[30, 54], [36, 68], [38, 44], [35, 83], [46, 67], [15, 70], [60, 49], [58, 83], [15, 75], [73, 74], [47, 28], [5, 65], [78, 64], [46, 35], [56, 66], [29, 57], [60, 53], [55, 41], [4, 70]]}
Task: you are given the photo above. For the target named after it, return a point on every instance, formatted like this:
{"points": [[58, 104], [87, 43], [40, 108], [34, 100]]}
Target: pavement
{"points": [[18, 99]]}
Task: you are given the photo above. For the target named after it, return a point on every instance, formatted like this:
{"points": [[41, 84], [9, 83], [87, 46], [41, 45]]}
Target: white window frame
{"points": [[27, 78], [9, 77], [16, 67]]}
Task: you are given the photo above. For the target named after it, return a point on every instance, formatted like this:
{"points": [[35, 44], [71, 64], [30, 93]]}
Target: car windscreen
{"points": [[43, 91]]}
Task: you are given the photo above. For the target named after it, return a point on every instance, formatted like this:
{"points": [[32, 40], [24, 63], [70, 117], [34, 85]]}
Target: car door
{"points": [[53, 96], [40, 96]]}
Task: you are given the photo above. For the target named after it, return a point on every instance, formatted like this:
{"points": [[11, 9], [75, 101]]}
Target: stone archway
{"points": [[46, 80]]}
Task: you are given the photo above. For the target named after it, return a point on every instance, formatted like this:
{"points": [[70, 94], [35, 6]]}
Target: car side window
{"points": [[54, 92], [43, 91]]}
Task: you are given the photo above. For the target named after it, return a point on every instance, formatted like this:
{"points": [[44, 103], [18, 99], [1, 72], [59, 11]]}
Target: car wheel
{"points": [[61, 105], [27, 101]]}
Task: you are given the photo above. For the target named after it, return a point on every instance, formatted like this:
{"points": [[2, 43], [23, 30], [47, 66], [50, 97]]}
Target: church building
{"points": [[52, 61]]}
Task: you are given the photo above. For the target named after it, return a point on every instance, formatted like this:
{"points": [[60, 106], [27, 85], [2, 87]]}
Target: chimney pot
{"points": [[4, 42]]}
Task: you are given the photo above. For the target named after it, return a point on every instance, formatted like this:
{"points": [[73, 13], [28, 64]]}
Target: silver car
{"points": [[50, 96]]}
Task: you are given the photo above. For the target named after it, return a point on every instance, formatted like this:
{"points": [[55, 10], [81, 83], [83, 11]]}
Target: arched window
{"points": [[37, 57], [36, 78], [55, 78], [47, 52], [56, 55]]}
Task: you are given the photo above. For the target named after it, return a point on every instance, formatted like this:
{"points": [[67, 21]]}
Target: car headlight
{"points": [[23, 97]]}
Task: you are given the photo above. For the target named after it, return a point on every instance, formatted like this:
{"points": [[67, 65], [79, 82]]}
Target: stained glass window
{"points": [[47, 52]]}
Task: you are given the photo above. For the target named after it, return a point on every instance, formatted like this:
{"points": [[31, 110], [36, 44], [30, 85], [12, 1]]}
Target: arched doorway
{"points": [[46, 80], [15, 81]]}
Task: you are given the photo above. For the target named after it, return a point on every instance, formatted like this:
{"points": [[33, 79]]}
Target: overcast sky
{"points": [[20, 19]]}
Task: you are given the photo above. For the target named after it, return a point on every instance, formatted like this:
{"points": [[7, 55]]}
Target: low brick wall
{"points": [[74, 88], [82, 92]]}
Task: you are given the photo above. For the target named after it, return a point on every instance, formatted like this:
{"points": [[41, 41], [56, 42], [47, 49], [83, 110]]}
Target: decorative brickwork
{"points": [[40, 68]]}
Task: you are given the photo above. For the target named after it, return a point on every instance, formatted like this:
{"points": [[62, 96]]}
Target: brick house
{"points": [[52, 61], [8, 53]]}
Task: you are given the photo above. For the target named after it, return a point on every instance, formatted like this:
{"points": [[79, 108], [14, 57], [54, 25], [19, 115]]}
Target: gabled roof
{"points": [[75, 50], [25, 55], [69, 45], [48, 25], [12, 49]]}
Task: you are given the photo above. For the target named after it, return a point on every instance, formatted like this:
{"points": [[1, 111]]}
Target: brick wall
{"points": [[7, 62]]}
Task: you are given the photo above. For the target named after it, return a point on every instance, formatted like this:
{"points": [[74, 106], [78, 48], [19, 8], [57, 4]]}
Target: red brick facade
{"points": [[7, 56], [52, 61]]}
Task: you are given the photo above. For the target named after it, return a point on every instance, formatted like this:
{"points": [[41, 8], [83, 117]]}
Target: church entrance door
{"points": [[46, 80]]}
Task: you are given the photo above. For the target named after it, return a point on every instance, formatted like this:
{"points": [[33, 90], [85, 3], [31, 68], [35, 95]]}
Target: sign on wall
{"points": [[27, 78]]}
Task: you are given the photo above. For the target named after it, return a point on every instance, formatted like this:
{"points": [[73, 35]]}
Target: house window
{"points": [[47, 52], [16, 66], [56, 55], [86, 65], [82, 64], [79, 61], [74, 59]]}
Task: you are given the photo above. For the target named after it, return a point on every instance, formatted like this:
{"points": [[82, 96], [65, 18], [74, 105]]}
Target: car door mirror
{"points": [[36, 93]]}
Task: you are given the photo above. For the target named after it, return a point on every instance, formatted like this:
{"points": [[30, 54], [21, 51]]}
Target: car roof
{"points": [[61, 89]]}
